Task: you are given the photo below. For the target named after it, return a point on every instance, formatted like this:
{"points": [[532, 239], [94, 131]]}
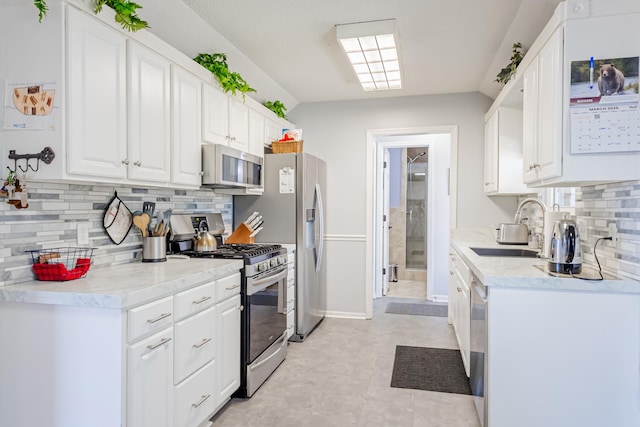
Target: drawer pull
{"points": [[201, 300], [159, 318], [201, 401], [234, 287], [203, 342], [163, 341]]}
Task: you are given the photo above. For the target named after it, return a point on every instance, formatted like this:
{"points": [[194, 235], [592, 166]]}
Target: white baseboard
{"points": [[345, 315]]}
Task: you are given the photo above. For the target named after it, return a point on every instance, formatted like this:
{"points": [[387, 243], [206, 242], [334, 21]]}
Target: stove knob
{"points": [[283, 259], [274, 262], [261, 267]]}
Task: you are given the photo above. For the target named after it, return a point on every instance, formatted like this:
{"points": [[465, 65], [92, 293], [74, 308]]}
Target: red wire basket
{"points": [[61, 264]]}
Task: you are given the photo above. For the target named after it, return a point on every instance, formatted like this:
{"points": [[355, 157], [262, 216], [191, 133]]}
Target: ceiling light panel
{"points": [[371, 50]]}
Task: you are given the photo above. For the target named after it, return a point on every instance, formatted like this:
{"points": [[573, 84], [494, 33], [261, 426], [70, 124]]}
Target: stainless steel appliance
{"points": [[564, 248], [292, 208], [263, 343], [479, 346], [227, 168]]}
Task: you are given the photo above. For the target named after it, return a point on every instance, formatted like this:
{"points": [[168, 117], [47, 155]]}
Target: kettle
{"points": [[564, 248], [204, 242]]}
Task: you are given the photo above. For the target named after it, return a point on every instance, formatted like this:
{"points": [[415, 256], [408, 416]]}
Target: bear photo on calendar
{"points": [[604, 80]]}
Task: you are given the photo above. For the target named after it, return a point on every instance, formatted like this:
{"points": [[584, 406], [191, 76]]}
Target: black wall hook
{"points": [[46, 155]]}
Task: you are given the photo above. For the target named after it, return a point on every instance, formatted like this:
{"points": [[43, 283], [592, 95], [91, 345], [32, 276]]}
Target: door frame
{"points": [[374, 177]]}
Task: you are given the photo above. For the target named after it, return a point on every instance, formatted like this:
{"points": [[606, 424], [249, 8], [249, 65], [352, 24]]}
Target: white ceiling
{"points": [[445, 46]]}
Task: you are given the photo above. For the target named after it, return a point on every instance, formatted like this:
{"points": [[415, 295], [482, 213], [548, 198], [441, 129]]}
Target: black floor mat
{"points": [[433, 369]]}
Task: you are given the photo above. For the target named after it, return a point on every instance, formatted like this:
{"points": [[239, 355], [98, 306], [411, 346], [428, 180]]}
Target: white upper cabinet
{"points": [[238, 125], [273, 131], [186, 137], [542, 112], [225, 119], [149, 115], [553, 155], [215, 115], [503, 153], [256, 133], [97, 98]]}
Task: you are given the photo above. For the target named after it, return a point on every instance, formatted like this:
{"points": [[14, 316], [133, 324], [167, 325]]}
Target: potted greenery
{"points": [[125, 12], [229, 81], [277, 107], [507, 72]]}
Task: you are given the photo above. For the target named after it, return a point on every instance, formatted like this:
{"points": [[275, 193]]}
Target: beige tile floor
{"points": [[340, 375], [408, 289]]}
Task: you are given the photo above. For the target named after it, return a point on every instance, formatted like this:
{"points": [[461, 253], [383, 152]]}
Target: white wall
{"points": [[336, 132]]}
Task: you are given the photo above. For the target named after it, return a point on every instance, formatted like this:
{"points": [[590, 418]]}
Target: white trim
{"points": [[372, 196], [345, 237], [345, 315]]}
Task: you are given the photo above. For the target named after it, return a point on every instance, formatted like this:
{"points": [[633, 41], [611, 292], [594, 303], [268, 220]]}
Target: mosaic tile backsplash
{"points": [[55, 210], [597, 206]]}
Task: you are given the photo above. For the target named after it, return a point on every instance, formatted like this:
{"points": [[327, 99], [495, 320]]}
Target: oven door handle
{"points": [[271, 356], [266, 281]]}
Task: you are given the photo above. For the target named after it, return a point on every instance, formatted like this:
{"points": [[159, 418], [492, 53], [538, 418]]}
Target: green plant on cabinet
{"points": [[229, 81], [125, 12], [516, 57], [277, 107]]}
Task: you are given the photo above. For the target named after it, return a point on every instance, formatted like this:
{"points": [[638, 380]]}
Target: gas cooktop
{"points": [[249, 252]]}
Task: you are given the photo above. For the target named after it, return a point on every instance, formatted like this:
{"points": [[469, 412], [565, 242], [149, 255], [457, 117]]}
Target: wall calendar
{"points": [[604, 114]]}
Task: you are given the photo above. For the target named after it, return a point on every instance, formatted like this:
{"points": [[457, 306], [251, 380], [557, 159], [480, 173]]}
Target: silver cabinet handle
{"points": [[233, 287], [201, 300], [159, 318], [459, 289], [125, 162], [195, 405], [203, 342], [241, 308], [201, 173], [163, 341], [137, 163]]}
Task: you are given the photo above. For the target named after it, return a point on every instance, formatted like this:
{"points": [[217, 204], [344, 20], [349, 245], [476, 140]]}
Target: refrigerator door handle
{"points": [[320, 243]]}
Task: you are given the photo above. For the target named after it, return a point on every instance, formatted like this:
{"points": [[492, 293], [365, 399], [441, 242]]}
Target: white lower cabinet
{"points": [[150, 381], [195, 343], [460, 304], [195, 398], [228, 348]]}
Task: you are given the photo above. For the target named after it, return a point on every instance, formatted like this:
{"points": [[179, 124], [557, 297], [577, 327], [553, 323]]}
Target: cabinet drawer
{"points": [[194, 300], [291, 298], [195, 343], [227, 287], [150, 318], [462, 268], [195, 398]]}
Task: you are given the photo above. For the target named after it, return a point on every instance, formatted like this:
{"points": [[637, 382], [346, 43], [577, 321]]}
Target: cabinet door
{"points": [[491, 153], [228, 313], [215, 115], [256, 133], [238, 125], [550, 107], [530, 122], [185, 128], [273, 131], [149, 114], [97, 104], [150, 381]]}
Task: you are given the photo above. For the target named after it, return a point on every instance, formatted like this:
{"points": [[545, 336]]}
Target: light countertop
{"points": [[516, 272], [123, 286]]}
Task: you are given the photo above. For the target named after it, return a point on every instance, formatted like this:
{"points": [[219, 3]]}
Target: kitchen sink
{"points": [[525, 253]]}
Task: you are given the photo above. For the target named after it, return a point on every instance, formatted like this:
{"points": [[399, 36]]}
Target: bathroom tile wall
{"points": [[55, 210], [597, 206]]}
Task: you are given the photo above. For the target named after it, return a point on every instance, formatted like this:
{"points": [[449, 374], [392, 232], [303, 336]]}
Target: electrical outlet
{"points": [[82, 236], [613, 233]]}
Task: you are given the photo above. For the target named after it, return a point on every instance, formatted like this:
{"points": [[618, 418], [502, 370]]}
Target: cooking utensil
{"points": [[251, 218], [166, 221], [142, 222], [149, 208], [157, 229], [256, 221]]}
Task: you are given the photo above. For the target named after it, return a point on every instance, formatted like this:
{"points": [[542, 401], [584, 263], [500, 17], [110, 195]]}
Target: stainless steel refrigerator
{"points": [[292, 208]]}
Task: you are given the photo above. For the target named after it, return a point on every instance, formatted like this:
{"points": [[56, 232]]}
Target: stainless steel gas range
{"points": [[263, 297]]}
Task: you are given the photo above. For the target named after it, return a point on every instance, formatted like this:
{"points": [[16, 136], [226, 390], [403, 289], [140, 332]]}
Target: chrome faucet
{"points": [[516, 218]]}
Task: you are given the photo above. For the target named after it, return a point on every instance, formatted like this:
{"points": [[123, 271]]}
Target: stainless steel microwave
{"points": [[227, 168]]}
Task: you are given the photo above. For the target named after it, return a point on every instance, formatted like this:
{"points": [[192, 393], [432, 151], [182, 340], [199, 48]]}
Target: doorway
{"points": [[439, 208]]}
